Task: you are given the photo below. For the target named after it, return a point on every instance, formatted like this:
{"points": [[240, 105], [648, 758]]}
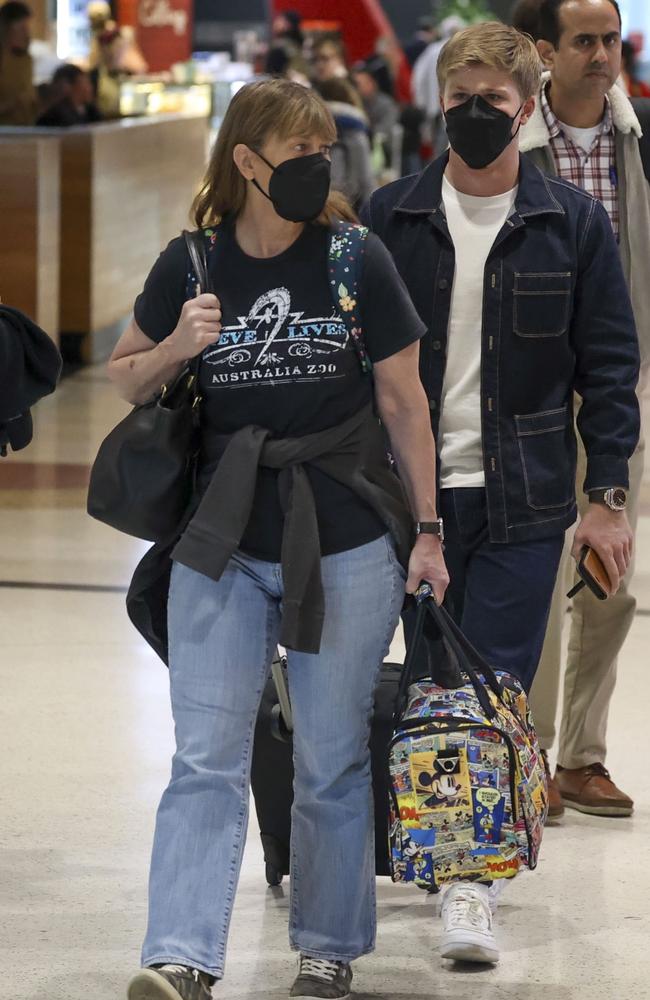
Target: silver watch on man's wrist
{"points": [[615, 497]]}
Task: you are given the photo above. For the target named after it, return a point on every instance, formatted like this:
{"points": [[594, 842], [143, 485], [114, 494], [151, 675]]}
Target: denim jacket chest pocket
{"points": [[542, 304]]}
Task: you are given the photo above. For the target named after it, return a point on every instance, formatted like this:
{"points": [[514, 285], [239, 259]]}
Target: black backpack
{"points": [[30, 366]]}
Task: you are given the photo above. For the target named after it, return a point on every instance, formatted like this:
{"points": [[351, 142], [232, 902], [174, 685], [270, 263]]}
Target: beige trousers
{"points": [[598, 631]]}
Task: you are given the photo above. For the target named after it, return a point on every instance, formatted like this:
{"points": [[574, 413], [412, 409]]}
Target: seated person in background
{"points": [[45, 97], [72, 99], [351, 155], [17, 93]]}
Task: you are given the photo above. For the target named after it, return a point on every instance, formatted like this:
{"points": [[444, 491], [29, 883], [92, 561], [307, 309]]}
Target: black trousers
{"points": [[500, 594]]}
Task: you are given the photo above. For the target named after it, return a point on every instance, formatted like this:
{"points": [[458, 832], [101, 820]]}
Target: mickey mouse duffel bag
{"points": [[469, 798]]}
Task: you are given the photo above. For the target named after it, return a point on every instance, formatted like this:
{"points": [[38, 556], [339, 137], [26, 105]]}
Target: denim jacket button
{"points": [[437, 344], [432, 404], [442, 284]]}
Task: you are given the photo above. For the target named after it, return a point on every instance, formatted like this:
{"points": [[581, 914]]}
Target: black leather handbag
{"points": [[142, 478]]}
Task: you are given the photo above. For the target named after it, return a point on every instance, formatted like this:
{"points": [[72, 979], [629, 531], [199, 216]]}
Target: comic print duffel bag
{"points": [[468, 788]]}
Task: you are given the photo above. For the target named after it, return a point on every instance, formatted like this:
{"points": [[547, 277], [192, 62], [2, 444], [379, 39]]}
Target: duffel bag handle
{"points": [[467, 653], [470, 661], [409, 660]]}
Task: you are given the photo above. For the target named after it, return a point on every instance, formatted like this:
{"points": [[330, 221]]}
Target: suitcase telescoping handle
{"points": [[279, 675], [470, 661]]}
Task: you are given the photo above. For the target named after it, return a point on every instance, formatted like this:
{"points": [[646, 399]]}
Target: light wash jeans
{"points": [[222, 637]]}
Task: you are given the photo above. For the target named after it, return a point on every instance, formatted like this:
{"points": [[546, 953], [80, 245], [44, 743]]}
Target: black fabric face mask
{"points": [[299, 187], [478, 132]]}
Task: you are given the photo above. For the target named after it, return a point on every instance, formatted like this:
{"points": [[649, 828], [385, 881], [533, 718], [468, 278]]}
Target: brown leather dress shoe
{"points": [[555, 804], [591, 790]]}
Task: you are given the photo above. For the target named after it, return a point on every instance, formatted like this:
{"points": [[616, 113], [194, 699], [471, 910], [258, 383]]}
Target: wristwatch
{"points": [[431, 528], [615, 497]]}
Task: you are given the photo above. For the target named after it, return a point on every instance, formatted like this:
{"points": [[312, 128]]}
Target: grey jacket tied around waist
{"points": [[353, 453]]}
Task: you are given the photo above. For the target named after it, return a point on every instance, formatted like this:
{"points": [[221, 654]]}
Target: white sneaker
{"points": [[467, 924]]}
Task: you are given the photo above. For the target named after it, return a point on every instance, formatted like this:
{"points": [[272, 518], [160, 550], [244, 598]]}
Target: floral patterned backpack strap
{"points": [[211, 235], [347, 247]]}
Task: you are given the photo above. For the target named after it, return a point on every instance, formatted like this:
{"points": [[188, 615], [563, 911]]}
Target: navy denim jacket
{"points": [[556, 319]]}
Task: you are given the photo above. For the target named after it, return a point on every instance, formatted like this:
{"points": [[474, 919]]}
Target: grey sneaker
{"points": [[319, 979], [170, 982]]}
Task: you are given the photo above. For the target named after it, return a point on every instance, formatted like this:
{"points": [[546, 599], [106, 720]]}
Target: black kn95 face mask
{"points": [[478, 132], [299, 187]]}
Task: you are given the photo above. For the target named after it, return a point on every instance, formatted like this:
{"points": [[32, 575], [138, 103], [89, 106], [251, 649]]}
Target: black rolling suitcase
{"points": [[272, 771]]}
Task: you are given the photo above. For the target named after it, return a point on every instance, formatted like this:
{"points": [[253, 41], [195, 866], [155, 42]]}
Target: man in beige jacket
{"points": [[585, 129]]}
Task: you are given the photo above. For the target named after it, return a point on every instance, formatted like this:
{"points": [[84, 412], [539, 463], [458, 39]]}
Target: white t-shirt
{"points": [[473, 224], [584, 138]]}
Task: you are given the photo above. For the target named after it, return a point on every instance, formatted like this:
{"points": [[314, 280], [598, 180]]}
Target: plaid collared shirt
{"points": [[594, 171]]}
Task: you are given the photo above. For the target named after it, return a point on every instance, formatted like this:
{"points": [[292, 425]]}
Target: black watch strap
{"points": [[614, 497], [431, 528]]}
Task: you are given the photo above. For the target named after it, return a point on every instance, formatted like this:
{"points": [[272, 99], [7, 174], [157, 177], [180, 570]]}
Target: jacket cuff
{"points": [[604, 471]]}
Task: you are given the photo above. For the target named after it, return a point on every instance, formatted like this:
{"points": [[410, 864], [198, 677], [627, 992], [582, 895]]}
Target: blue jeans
{"points": [[221, 639], [500, 593]]}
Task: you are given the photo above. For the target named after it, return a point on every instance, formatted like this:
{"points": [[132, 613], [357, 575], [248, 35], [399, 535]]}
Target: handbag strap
{"points": [[470, 662], [195, 243]]}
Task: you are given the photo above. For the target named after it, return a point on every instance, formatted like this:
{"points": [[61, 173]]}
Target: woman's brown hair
{"points": [[259, 110]]}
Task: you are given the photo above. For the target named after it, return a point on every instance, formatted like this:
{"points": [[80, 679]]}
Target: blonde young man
{"points": [[507, 269], [585, 130]]}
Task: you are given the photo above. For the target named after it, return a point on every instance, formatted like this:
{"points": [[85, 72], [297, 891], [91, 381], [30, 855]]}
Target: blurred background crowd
{"points": [[108, 111], [375, 65]]}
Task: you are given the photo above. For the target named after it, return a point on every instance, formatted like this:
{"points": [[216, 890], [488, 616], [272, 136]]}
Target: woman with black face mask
{"points": [[298, 532]]}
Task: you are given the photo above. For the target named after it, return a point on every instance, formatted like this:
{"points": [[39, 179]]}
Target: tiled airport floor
{"points": [[85, 743]]}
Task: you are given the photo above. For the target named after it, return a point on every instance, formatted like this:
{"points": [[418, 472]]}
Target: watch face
{"points": [[617, 499]]}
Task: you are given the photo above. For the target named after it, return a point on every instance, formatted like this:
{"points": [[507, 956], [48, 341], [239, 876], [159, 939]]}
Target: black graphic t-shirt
{"points": [[284, 361]]}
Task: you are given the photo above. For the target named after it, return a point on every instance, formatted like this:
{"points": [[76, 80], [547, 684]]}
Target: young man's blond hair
{"points": [[496, 45]]}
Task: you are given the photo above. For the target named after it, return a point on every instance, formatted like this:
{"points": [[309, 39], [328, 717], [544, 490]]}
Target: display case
{"points": [[154, 97]]}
